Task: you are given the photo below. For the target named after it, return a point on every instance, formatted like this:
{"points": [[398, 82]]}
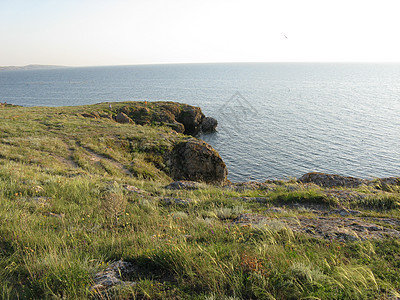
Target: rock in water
{"points": [[123, 118], [195, 160], [209, 124], [331, 180]]}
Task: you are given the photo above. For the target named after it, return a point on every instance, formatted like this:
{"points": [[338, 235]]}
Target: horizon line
{"points": [[33, 65]]}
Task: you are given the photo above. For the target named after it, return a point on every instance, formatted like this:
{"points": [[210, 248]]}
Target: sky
{"points": [[122, 32]]}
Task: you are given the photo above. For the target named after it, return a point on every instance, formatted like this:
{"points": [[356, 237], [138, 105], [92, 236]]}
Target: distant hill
{"points": [[30, 67]]}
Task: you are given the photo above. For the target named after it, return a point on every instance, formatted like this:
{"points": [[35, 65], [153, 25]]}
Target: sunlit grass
{"points": [[66, 212]]}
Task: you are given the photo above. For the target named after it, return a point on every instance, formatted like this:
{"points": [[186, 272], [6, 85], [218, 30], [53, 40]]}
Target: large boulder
{"points": [[331, 180], [209, 124], [195, 160], [191, 117]]}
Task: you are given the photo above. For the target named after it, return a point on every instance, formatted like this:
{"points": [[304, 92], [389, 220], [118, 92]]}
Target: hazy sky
{"points": [[100, 32]]}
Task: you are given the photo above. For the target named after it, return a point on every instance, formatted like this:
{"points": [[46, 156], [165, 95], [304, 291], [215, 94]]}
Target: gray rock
{"points": [[209, 124], [114, 274]]}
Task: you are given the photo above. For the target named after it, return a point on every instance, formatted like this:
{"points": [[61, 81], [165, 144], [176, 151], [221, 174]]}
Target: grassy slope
{"points": [[65, 213]]}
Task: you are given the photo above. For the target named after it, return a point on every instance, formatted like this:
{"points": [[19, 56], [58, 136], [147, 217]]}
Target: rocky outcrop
{"points": [[209, 124], [123, 118], [94, 115], [344, 229], [5, 104], [182, 118], [191, 117], [331, 180], [195, 160]]}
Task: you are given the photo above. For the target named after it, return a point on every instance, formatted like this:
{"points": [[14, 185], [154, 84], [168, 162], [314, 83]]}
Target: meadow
{"points": [[78, 194]]}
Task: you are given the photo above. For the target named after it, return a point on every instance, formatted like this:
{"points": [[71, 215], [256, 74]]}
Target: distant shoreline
{"points": [[30, 67], [38, 66]]}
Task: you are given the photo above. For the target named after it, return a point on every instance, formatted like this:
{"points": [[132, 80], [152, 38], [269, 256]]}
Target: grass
{"points": [[65, 213]]}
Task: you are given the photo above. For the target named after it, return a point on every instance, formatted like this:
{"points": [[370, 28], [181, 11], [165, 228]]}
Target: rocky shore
{"points": [[123, 201], [182, 118]]}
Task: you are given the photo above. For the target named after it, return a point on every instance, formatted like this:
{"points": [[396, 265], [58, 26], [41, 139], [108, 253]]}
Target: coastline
{"points": [[114, 200]]}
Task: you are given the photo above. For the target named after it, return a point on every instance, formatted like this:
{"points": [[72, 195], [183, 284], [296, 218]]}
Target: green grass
{"points": [[65, 213]]}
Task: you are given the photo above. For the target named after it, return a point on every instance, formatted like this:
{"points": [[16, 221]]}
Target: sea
{"points": [[276, 120]]}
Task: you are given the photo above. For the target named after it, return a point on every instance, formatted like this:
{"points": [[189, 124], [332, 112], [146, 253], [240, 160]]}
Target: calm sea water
{"points": [[275, 120]]}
